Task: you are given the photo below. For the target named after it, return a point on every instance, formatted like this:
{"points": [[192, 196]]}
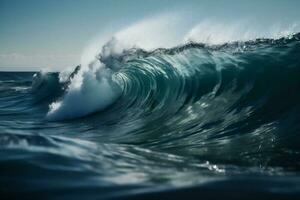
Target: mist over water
{"points": [[155, 113]]}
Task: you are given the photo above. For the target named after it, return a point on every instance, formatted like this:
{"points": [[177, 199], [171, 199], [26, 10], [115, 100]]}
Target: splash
{"points": [[94, 87], [89, 91]]}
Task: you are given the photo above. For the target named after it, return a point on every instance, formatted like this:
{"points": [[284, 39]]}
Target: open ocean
{"points": [[194, 121]]}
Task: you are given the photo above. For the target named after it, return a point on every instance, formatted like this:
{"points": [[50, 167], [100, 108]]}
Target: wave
{"points": [[214, 115], [194, 69], [225, 96]]}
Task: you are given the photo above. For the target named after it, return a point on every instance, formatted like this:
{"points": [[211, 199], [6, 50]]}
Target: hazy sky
{"points": [[52, 34]]}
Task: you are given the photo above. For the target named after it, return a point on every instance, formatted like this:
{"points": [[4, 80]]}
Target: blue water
{"points": [[195, 121]]}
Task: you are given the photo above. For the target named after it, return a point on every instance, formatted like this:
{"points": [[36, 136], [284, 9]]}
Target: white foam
{"points": [[89, 92]]}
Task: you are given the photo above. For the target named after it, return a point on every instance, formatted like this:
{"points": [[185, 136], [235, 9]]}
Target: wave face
{"points": [[199, 118]]}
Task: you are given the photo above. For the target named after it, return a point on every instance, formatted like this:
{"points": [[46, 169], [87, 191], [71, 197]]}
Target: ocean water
{"points": [[194, 121]]}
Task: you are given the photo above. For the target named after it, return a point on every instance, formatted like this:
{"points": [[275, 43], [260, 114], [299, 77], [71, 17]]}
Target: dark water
{"points": [[194, 121]]}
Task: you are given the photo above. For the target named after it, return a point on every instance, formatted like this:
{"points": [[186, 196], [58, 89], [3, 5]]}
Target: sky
{"points": [[54, 34]]}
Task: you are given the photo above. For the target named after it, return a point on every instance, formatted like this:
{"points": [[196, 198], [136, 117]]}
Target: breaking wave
{"points": [[216, 116]]}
